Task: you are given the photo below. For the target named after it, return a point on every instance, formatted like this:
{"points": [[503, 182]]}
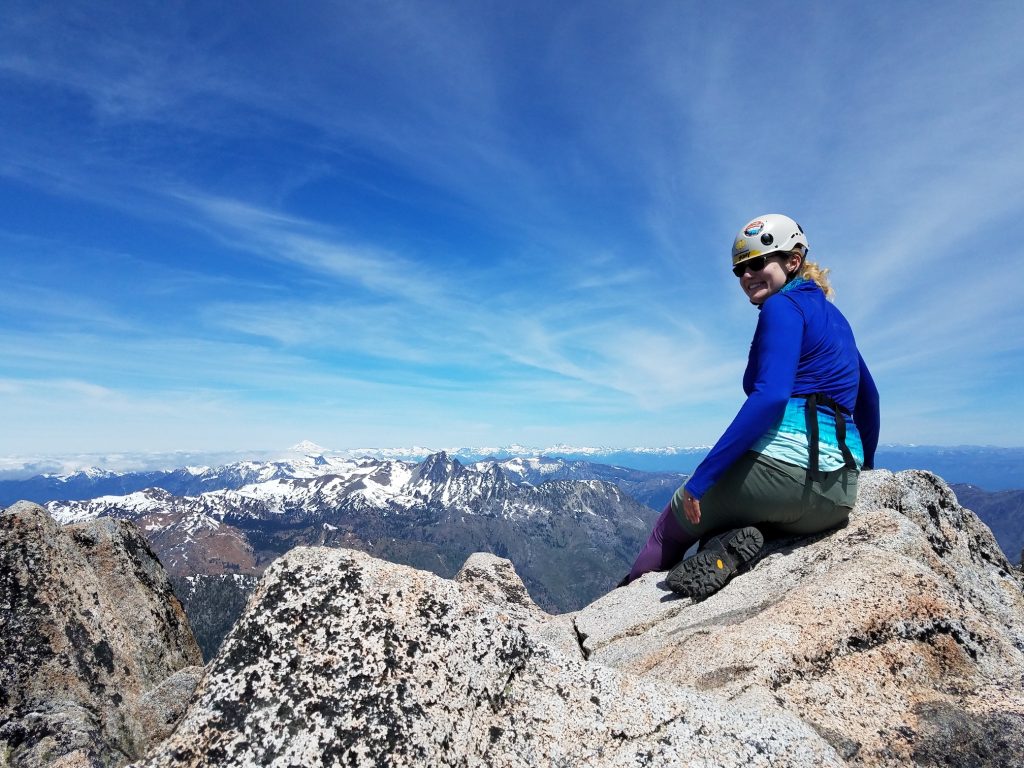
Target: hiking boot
{"points": [[708, 570]]}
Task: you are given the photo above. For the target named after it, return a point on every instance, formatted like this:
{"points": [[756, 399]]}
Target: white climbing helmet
{"points": [[767, 234]]}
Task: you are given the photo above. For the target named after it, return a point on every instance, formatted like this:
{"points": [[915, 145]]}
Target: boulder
{"points": [[899, 638], [96, 658], [343, 659], [494, 579]]}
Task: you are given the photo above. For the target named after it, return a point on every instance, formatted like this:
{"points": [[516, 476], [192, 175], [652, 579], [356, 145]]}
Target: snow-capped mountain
{"points": [[992, 468], [430, 514], [317, 487], [70, 476], [265, 488], [185, 481]]}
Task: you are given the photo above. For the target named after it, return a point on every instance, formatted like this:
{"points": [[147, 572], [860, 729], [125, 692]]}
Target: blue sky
{"points": [[475, 223]]}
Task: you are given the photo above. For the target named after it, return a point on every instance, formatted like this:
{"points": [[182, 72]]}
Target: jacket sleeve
{"points": [[866, 414], [776, 351]]}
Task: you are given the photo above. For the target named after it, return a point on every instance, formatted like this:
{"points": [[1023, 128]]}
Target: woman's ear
{"points": [[794, 261]]}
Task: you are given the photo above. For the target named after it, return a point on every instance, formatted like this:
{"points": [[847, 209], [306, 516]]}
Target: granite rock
{"points": [[342, 659], [899, 638], [89, 631]]}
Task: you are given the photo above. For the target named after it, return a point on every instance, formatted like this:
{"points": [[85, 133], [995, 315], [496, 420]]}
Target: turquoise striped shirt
{"points": [[787, 440]]}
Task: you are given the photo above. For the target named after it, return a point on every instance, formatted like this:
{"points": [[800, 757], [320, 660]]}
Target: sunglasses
{"points": [[755, 264]]}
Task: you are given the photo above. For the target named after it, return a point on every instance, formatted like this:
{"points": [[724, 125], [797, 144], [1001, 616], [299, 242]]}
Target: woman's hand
{"points": [[691, 507]]}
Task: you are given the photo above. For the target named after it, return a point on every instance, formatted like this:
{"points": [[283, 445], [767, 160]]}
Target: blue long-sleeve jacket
{"points": [[802, 345]]}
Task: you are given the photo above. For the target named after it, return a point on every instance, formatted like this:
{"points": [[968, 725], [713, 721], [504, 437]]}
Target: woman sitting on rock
{"points": [[791, 457]]}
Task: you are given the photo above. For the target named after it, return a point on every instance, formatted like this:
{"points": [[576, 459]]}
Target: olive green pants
{"points": [[765, 492]]}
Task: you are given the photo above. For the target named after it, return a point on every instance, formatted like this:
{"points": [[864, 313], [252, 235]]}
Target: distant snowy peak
{"points": [[78, 472], [527, 469], [86, 474], [308, 448], [470, 454]]}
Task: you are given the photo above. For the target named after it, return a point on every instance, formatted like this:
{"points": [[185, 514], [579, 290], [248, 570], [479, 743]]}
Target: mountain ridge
{"points": [[430, 515], [990, 467]]}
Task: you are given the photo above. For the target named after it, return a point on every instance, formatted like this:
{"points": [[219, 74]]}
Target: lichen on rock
{"points": [[344, 659]]}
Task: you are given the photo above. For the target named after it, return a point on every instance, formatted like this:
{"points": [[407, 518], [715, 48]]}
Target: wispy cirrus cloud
{"points": [[369, 209], [420, 313]]}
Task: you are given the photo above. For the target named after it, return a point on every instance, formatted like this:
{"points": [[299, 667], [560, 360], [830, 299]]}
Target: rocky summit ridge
{"points": [[897, 640]]}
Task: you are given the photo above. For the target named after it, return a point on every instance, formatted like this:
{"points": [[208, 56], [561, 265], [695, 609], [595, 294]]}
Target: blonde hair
{"points": [[810, 270]]}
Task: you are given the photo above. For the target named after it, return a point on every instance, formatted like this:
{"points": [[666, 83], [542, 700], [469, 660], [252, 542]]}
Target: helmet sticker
{"points": [[740, 244], [753, 228]]}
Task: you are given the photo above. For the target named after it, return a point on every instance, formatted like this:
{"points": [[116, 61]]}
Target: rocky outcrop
{"points": [[899, 638], [96, 658], [1002, 511], [342, 659]]}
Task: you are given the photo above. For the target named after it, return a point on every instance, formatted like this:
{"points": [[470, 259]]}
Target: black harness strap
{"points": [[814, 400]]}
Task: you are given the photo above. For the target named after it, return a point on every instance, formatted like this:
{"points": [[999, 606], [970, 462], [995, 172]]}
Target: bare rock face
{"points": [[96, 657], [899, 638], [342, 659]]}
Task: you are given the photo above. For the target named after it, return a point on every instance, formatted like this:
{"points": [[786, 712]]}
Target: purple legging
{"points": [[665, 547]]}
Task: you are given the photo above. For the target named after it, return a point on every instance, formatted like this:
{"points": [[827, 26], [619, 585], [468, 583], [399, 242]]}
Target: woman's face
{"points": [[767, 282]]}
